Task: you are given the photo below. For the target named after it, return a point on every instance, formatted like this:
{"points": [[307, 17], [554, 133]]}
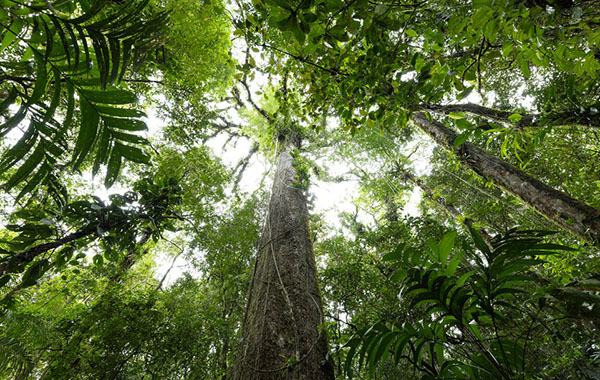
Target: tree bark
{"points": [[565, 211], [282, 335], [561, 118]]}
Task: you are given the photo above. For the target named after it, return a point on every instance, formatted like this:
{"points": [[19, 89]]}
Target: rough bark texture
{"points": [[281, 334], [565, 211]]}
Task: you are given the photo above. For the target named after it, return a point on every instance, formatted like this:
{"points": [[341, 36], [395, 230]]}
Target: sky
{"points": [[329, 199]]}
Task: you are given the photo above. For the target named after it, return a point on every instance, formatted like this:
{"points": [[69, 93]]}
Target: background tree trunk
{"points": [[282, 336], [565, 211]]}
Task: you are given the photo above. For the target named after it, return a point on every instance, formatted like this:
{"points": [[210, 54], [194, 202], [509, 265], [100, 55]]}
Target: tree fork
{"points": [[282, 335], [565, 211]]}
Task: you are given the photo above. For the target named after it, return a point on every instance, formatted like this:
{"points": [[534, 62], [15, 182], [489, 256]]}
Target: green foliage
{"points": [[79, 299], [197, 57], [77, 325], [137, 215], [478, 309], [66, 58], [302, 167], [194, 67]]}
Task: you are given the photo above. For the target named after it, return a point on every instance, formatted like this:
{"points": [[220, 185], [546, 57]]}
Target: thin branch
{"points": [[482, 50], [447, 207], [243, 164], [333, 72], [164, 277], [254, 105], [30, 254]]}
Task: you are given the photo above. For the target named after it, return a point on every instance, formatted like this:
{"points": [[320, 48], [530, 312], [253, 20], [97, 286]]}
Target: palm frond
{"points": [[61, 87]]}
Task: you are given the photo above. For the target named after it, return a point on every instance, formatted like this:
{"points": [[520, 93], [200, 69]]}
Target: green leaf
{"points": [[120, 112], [87, 132], [63, 38], [127, 44], [20, 149], [439, 352], [457, 115], [433, 247], [462, 138], [13, 31], [479, 242], [128, 137], [110, 96], [39, 87], [463, 95], [24, 170], [463, 124], [74, 43], [354, 344], [399, 275], [380, 349], [34, 272], [112, 170], [35, 180], [86, 50], [14, 120], [445, 246], [125, 124], [453, 264], [399, 346], [132, 153], [525, 68], [98, 260], [396, 255], [410, 33], [10, 99], [115, 53], [515, 117], [102, 55], [102, 150]]}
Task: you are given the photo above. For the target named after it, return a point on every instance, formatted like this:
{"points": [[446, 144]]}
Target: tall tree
{"points": [[282, 329]]}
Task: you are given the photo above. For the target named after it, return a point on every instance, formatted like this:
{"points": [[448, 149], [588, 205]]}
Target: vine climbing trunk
{"points": [[282, 336], [567, 212]]}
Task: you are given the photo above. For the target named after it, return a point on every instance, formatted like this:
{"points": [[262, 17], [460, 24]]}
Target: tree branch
{"points": [[569, 117], [251, 101], [33, 252]]}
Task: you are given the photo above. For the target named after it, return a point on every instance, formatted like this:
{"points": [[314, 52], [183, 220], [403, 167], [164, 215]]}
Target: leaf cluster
{"points": [[62, 68], [477, 318]]}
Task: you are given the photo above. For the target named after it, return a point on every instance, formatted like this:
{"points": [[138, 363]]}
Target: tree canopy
{"points": [[161, 163]]}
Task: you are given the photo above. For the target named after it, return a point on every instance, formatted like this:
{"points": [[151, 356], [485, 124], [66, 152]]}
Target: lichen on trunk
{"points": [[282, 336]]}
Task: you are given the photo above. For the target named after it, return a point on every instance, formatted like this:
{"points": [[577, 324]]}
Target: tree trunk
{"points": [[565, 211], [560, 118], [282, 337], [449, 208]]}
